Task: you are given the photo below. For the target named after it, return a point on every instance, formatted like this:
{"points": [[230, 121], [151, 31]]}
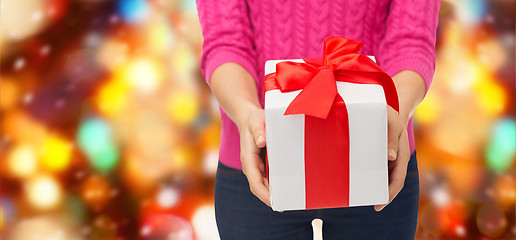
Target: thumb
{"points": [[394, 132], [258, 132]]}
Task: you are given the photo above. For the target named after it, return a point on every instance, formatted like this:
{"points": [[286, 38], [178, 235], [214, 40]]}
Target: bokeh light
{"points": [[505, 190], [183, 60], [55, 153], [168, 197], [183, 107], [500, 152], [103, 228], [133, 11], [210, 161], [112, 53], [471, 11], [491, 97], [112, 98], [428, 110], [144, 75], [160, 35], [22, 161], [166, 226], [82, 65], [43, 227], [21, 19], [9, 93], [96, 191], [203, 223], [491, 220], [432, 219], [96, 140], [43, 192]]}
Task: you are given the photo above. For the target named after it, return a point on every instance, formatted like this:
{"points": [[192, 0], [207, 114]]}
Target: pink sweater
{"points": [[401, 35]]}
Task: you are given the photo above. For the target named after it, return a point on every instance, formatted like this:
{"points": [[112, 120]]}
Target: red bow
{"points": [[317, 77]]}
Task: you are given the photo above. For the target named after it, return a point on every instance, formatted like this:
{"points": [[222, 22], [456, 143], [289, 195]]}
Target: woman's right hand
{"points": [[241, 103], [252, 139]]}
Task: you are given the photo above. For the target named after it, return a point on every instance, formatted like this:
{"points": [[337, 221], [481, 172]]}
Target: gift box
{"points": [[326, 129]]}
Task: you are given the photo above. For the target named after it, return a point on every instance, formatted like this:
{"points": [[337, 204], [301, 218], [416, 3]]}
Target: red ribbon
{"points": [[326, 117], [340, 62]]}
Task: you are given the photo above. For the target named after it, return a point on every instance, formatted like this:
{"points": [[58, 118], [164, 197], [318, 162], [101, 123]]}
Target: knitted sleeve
{"points": [[409, 40], [228, 36]]}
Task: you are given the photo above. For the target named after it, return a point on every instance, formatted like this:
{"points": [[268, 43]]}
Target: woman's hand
{"points": [[398, 154], [252, 138], [240, 102], [411, 90]]}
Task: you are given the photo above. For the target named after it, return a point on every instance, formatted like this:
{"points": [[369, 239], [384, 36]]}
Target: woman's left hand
{"points": [[398, 154], [411, 90]]}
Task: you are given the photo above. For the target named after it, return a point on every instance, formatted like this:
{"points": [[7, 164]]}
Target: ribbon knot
{"points": [[326, 67], [317, 78], [317, 96]]}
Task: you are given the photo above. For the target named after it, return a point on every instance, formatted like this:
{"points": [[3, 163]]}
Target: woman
{"points": [[239, 36]]}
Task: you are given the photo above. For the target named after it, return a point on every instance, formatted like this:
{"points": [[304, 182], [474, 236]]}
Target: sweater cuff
{"points": [[223, 55], [417, 65]]}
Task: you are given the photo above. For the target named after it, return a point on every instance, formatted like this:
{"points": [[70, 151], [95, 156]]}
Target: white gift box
{"points": [[285, 134]]}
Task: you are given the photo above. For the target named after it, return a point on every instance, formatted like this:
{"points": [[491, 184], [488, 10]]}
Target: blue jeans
{"points": [[241, 215]]}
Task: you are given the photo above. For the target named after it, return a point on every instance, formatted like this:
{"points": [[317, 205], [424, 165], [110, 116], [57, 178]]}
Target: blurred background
{"points": [[108, 130]]}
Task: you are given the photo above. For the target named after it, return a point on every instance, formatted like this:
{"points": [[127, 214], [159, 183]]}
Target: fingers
{"points": [[397, 181], [252, 164], [257, 181], [395, 129], [399, 171]]}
